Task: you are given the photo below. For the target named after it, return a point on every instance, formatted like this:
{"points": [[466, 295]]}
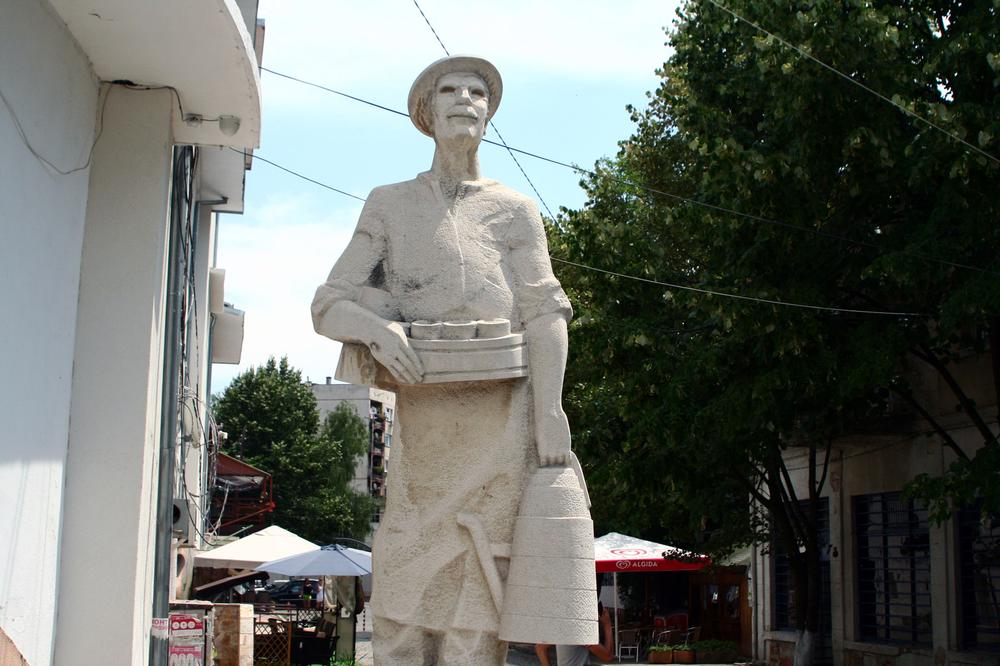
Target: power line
{"points": [[335, 92], [653, 190], [302, 176], [495, 128], [741, 297], [670, 285], [428, 22], [851, 79]]}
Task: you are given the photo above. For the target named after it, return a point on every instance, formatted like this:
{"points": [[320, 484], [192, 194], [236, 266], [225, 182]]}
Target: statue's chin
{"points": [[459, 138]]}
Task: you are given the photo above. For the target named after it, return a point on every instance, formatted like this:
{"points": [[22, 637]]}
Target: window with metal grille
{"points": [[979, 579], [893, 570], [781, 584]]}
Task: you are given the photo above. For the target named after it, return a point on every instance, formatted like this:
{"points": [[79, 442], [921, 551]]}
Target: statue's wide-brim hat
{"points": [[417, 103]]}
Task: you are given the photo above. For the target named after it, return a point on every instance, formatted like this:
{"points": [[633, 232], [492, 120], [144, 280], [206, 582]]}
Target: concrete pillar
{"points": [[106, 555]]}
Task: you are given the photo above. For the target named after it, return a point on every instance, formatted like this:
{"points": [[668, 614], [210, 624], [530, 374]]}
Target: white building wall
{"points": [[49, 84], [105, 592], [360, 398]]}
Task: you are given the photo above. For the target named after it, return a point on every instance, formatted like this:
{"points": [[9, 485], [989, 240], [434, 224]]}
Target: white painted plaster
{"points": [[108, 539], [170, 44], [51, 88]]}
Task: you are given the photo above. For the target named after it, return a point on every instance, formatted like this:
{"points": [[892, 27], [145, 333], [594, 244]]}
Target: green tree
{"points": [[815, 192], [273, 424]]}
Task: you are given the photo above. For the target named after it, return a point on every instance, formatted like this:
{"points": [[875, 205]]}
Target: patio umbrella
{"points": [[616, 553], [254, 549], [333, 560]]}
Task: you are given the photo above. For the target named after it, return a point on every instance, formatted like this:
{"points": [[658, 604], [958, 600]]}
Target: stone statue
{"points": [[446, 296]]}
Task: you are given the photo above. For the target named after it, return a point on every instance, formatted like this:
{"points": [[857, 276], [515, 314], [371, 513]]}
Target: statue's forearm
{"points": [[547, 343], [346, 321], [547, 347]]}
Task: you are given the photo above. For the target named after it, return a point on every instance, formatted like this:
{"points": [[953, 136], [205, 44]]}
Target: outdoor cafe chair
{"points": [[628, 644], [668, 637]]}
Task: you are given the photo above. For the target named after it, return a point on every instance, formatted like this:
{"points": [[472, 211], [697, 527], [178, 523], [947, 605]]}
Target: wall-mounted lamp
{"points": [[228, 125]]}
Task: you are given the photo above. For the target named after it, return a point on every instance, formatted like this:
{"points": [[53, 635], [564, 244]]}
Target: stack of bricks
{"points": [[233, 635]]}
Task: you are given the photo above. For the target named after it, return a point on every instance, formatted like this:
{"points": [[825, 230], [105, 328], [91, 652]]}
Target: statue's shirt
{"points": [[417, 254], [464, 446]]}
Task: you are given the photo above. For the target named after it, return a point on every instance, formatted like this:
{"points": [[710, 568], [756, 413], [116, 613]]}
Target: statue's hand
{"points": [[552, 437], [391, 348]]}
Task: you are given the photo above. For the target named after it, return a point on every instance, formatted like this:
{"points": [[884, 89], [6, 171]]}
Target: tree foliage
{"points": [[810, 191], [273, 424]]}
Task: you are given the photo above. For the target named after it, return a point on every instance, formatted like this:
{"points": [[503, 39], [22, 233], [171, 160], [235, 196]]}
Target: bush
{"points": [[715, 646]]}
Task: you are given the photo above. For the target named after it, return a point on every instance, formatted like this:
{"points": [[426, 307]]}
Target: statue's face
{"points": [[460, 103]]}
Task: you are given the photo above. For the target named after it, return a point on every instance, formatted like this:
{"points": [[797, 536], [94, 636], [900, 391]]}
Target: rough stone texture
{"points": [[446, 296], [234, 635]]}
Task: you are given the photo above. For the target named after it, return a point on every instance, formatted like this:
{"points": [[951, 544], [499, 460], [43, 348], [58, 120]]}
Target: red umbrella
{"points": [[620, 553]]}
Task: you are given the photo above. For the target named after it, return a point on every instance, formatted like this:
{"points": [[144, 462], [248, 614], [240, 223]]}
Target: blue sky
{"points": [[569, 69]]}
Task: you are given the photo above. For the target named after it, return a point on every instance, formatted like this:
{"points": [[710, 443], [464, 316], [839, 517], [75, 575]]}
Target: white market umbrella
{"points": [[271, 543], [334, 560]]}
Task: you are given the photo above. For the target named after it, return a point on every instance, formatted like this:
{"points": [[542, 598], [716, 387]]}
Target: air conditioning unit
{"points": [[183, 528]]}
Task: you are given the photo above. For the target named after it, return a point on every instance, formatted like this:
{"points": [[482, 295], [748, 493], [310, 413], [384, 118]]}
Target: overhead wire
{"points": [[649, 280], [801, 51], [652, 190], [100, 123], [41, 158]]}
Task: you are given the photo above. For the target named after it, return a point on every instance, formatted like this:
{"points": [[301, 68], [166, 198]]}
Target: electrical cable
{"points": [[651, 281], [491, 123], [38, 156], [335, 92], [851, 79], [303, 177], [427, 21], [632, 183], [741, 297]]}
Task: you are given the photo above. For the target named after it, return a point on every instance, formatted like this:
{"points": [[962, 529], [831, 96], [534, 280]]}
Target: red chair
{"points": [[678, 621]]}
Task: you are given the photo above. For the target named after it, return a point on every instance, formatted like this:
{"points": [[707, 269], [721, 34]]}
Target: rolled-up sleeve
{"points": [[361, 265], [537, 291]]}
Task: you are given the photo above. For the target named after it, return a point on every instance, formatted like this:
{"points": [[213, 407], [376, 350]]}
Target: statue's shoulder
{"points": [[394, 192], [511, 198]]}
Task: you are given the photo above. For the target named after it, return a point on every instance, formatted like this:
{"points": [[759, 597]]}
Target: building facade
{"points": [[896, 588], [124, 131], [377, 408]]}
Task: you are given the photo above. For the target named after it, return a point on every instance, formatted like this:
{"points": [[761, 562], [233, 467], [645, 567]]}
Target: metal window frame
{"points": [[883, 544], [969, 536]]}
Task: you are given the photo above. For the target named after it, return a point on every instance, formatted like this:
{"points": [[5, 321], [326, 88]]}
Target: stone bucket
{"points": [[550, 595]]}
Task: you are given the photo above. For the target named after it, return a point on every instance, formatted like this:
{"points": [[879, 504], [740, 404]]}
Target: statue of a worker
{"points": [[437, 257]]}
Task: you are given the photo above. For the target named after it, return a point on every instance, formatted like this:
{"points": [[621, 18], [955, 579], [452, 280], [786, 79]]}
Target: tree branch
{"points": [[826, 466], [929, 357], [947, 439]]}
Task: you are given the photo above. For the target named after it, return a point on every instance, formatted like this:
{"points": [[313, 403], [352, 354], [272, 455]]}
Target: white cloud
{"points": [[375, 48], [275, 257]]}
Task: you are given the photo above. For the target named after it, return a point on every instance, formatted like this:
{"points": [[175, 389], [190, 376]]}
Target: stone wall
{"points": [[233, 635], [780, 653]]}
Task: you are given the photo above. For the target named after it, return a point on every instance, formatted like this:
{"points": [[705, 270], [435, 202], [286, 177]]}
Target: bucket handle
{"points": [[484, 551]]}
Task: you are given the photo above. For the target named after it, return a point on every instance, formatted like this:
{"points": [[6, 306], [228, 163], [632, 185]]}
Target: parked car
{"points": [[291, 592]]}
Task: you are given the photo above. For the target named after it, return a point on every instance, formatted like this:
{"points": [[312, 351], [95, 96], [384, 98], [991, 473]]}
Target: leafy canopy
{"points": [[683, 402], [273, 424]]}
